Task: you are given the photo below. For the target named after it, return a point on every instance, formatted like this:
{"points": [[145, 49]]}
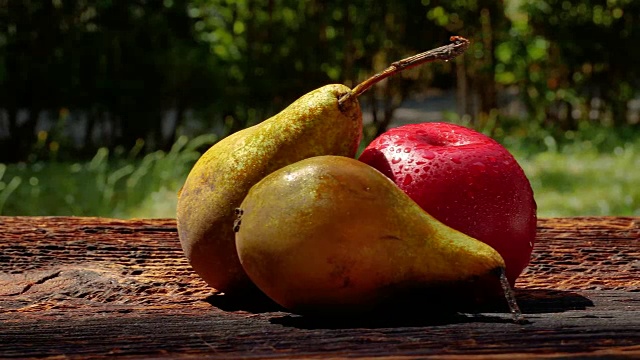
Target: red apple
{"points": [[464, 179]]}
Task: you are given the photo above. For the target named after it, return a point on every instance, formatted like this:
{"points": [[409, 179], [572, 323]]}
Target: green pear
{"points": [[312, 125], [330, 233], [326, 121]]}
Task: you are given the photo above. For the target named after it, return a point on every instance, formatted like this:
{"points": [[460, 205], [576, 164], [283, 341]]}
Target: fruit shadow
{"points": [[546, 301], [420, 313], [254, 302], [417, 312], [384, 319]]}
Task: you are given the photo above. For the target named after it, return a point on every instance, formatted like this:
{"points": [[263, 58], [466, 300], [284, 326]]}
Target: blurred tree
{"points": [[590, 56], [30, 65], [395, 31], [311, 43], [485, 23], [273, 52], [122, 63]]}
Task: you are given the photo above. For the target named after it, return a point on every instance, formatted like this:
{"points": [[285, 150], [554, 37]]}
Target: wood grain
{"points": [[97, 288]]}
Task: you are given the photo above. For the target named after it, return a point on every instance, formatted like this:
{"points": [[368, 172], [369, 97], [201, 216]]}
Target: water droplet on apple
{"points": [[407, 180], [407, 150], [416, 170], [429, 155], [456, 159], [420, 162], [395, 160], [398, 150], [391, 149], [478, 166]]}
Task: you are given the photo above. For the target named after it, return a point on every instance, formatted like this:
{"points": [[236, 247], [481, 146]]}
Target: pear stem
{"points": [[516, 314], [444, 53]]}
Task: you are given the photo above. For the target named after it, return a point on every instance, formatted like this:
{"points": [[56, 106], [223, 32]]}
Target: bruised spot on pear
{"points": [[238, 220], [332, 233]]}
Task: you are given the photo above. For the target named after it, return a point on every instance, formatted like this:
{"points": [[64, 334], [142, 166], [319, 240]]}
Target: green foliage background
{"points": [[222, 65]]}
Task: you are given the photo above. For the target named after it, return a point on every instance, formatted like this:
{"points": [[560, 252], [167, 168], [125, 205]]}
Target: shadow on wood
{"points": [[381, 320], [415, 312], [419, 314], [254, 302], [544, 301]]}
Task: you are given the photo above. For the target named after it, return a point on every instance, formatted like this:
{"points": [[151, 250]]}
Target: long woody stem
{"points": [[444, 53]]}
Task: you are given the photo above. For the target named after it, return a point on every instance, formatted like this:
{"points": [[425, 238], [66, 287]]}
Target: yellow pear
{"points": [[312, 125], [326, 121], [332, 233]]}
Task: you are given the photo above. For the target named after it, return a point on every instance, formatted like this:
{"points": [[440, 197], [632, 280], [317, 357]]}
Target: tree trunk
{"points": [[9, 153], [462, 88], [180, 110], [487, 84], [88, 146]]}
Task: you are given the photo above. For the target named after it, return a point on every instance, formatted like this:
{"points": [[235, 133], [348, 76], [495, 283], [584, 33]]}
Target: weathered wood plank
{"points": [[93, 287], [599, 253], [612, 323]]}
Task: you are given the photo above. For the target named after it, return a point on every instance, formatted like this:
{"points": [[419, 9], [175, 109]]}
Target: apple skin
{"points": [[466, 180]]}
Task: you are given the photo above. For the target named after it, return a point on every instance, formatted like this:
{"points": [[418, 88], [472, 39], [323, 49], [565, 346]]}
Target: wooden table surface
{"points": [[101, 288]]}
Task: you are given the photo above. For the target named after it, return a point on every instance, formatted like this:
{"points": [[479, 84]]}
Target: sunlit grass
{"points": [[110, 185], [577, 180]]}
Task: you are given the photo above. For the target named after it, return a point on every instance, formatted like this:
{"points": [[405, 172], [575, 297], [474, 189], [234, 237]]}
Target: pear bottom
{"points": [[478, 294], [332, 234]]}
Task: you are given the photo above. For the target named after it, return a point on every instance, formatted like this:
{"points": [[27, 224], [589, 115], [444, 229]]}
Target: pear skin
{"points": [[330, 233], [315, 124]]}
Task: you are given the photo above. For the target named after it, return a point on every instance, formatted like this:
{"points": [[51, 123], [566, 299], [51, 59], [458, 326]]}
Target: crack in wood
{"points": [[40, 281]]}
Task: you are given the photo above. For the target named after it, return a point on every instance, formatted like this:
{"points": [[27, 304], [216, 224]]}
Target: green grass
{"points": [[110, 185], [575, 179], [578, 181]]}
